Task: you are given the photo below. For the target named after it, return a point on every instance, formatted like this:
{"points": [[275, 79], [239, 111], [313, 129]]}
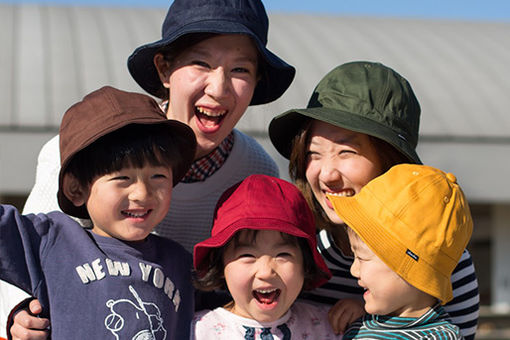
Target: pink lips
{"points": [[209, 123]]}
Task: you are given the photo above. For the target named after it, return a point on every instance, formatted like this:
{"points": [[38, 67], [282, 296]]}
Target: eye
{"points": [[156, 176], [200, 63], [346, 151], [359, 258], [241, 70], [312, 155], [119, 178], [284, 254]]}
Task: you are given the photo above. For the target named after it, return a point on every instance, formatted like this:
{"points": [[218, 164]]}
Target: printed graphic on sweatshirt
{"points": [[149, 325], [99, 269]]}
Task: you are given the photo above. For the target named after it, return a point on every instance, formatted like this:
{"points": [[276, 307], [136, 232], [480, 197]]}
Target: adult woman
{"points": [[209, 66], [361, 119]]}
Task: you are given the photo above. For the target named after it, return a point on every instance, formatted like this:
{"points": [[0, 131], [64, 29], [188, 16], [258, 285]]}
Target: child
{"points": [[120, 157], [263, 249], [407, 230]]}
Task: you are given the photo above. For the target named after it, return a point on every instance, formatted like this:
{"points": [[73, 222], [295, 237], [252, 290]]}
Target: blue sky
{"points": [[492, 10]]}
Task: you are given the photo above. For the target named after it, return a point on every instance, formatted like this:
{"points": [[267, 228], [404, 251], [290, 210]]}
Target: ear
{"points": [[164, 69], [74, 191]]}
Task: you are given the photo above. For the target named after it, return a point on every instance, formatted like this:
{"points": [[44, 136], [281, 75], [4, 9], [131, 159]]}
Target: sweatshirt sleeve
{"points": [[21, 244]]}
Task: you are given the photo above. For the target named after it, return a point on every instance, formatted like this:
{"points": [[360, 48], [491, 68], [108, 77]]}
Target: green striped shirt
{"points": [[434, 324]]}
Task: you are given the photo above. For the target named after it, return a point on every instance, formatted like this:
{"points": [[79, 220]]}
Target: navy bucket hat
{"points": [[221, 17]]}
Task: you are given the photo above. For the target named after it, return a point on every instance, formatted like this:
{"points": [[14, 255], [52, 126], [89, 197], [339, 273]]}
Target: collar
{"points": [[206, 166], [436, 313]]}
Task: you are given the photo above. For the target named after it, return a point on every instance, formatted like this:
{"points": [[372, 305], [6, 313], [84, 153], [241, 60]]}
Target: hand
{"points": [[27, 326], [344, 312]]}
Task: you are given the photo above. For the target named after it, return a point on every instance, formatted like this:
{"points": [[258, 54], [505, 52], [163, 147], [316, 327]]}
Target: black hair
{"points": [[134, 145], [213, 277], [172, 51]]}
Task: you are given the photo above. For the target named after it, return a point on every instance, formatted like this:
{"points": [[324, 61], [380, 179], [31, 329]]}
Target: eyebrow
{"points": [[351, 139], [282, 243], [242, 57]]}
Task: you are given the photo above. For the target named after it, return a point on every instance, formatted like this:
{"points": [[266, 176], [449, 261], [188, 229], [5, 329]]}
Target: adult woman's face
{"points": [[339, 162], [211, 85]]}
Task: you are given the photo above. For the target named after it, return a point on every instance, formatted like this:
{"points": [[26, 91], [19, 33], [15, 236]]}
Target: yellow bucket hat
{"points": [[416, 219]]}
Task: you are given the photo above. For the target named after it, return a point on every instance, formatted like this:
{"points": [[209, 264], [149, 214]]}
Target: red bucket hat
{"points": [[261, 202]]}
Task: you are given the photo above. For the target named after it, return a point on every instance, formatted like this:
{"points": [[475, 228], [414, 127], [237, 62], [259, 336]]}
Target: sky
{"points": [[491, 10]]}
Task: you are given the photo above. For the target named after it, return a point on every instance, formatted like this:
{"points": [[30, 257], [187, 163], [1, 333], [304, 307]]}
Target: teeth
{"points": [[211, 113], [135, 215], [265, 291], [346, 193]]}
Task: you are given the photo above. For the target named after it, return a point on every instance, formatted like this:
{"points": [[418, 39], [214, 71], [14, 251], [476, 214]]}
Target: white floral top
{"points": [[302, 321]]}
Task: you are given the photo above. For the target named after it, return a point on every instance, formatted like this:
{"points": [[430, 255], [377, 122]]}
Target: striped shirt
{"points": [[463, 309], [434, 324]]}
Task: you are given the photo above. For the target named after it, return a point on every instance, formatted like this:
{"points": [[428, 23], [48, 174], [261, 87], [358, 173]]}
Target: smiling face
{"points": [[339, 162], [264, 274], [129, 203], [386, 293], [211, 85]]}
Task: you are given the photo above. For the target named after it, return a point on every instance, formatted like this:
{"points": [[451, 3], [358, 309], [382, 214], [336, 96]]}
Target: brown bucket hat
{"points": [[104, 111]]}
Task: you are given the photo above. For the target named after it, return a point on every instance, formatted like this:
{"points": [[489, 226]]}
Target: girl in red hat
{"points": [[262, 249]]}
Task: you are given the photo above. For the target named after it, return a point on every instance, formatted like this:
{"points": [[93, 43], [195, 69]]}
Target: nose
{"points": [[329, 172], [355, 269], [265, 267], [218, 83], [140, 191]]}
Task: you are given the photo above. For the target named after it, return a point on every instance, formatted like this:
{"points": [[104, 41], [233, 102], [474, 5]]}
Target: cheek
{"points": [[312, 174], [244, 91], [237, 278], [362, 173]]}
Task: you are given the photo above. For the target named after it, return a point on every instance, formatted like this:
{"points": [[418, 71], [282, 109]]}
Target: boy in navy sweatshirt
{"points": [[120, 158]]}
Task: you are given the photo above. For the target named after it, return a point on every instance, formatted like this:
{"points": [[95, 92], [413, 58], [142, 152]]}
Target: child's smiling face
{"points": [[129, 203], [264, 274], [386, 293]]}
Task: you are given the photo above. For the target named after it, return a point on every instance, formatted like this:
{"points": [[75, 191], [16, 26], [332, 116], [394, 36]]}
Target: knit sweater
{"points": [[192, 208]]}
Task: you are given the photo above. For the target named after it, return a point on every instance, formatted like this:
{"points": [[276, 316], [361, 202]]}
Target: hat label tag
{"points": [[412, 255]]}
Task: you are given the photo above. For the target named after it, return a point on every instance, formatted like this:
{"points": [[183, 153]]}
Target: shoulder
{"points": [[170, 247], [50, 150], [209, 322], [306, 318]]}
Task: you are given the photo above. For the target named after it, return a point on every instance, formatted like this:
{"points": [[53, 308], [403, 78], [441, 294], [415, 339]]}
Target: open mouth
{"points": [[343, 193], [137, 214], [266, 296], [210, 119]]}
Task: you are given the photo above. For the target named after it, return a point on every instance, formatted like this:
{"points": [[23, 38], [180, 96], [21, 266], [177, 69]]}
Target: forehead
{"points": [[336, 134], [237, 45], [251, 237], [357, 244]]}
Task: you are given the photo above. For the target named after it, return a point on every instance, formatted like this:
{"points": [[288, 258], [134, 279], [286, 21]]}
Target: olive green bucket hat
{"points": [[360, 96]]}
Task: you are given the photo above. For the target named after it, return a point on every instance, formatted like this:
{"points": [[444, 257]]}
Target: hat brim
{"points": [[285, 127], [202, 249], [389, 248], [187, 150], [276, 78]]}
